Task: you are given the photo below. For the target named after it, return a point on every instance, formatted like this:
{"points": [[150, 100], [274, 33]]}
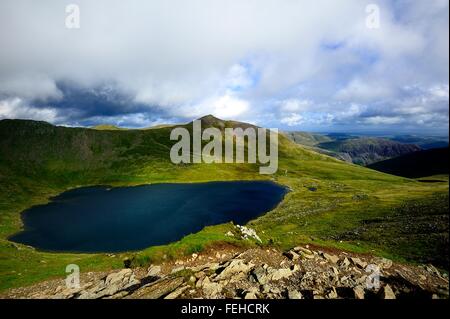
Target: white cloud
{"points": [[292, 119], [16, 108], [364, 91], [226, 106], [317, 57], [440, 92], [238, 77], [29, 86], [295, 105], [377, 120]]}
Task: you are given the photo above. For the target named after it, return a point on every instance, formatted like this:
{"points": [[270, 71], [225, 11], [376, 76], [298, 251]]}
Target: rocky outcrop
{"points": [[300, 273], [244, 232]]}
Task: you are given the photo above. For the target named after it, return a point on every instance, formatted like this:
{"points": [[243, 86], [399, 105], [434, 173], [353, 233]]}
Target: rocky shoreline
{"points": [[303, 272]]}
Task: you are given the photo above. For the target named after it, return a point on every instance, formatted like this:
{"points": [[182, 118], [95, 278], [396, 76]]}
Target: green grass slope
{"points": [[329, 199]]}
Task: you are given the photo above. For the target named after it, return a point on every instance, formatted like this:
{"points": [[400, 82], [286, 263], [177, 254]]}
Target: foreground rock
{"points": [[300, 273]]}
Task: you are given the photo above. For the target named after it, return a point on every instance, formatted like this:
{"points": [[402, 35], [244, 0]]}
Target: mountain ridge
{"points": [[368, 150]]}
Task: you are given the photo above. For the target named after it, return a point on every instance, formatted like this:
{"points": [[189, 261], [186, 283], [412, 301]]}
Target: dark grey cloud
{"points": [[100, 100]]}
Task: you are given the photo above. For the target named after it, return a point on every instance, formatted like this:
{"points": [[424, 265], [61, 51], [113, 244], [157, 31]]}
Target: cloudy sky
{"points": [[321, 65]]}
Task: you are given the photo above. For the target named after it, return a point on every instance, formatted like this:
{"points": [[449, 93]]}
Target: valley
{"points": [[368, 150]]}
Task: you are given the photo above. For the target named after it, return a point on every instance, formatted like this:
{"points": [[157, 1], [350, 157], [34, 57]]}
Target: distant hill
{"points": [[425, 142], [207, 121], [417, 164], [308, 139], [158, 126], [107, 127], [212, 121], [368, 150], [354, 149]]}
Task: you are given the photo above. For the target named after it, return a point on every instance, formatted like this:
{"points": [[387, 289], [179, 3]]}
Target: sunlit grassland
{"points": [[327, 199]]}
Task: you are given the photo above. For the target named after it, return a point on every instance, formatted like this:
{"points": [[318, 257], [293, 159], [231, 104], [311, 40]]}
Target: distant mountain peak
{"points": [[107, 127], [212, 121], [210, 117]]}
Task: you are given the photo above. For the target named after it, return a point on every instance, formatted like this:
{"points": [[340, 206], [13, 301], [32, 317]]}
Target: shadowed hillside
{"points": [[417, 164]]}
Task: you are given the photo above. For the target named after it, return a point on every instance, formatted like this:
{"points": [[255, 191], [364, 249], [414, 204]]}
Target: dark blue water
{"points": [[99, 219]]}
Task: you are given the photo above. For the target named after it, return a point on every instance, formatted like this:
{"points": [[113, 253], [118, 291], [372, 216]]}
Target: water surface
{"points": [[102, 219]]}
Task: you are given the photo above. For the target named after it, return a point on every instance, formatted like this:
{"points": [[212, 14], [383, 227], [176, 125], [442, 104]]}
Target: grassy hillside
{"points": [[417, 164], [328, 200]]}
